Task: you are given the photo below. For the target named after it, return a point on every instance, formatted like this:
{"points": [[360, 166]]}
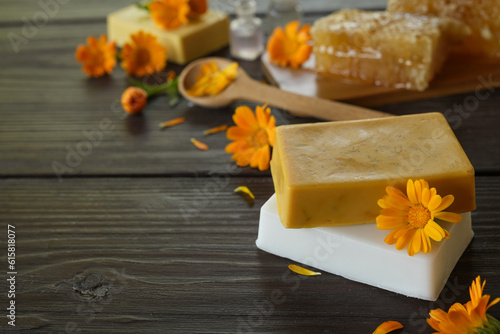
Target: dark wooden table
{"points": [[142, 233]]}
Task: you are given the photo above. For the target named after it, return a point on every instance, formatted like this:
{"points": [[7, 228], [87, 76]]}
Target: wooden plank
{"points": [[48, 106], [118, 255]]}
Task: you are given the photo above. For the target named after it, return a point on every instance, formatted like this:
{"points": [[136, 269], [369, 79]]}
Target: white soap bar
{"points": [[359, 253]]}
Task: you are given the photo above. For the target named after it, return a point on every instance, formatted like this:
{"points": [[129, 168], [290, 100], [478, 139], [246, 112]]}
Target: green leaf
{"points": [[171, 88], [142, 5]]}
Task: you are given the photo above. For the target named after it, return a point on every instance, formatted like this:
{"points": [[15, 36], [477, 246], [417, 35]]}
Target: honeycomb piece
{"points": [[482, 16], [390, 49]]}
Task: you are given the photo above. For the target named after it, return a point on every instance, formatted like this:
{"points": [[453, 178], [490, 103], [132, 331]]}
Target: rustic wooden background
{"points": [[143, 233]]}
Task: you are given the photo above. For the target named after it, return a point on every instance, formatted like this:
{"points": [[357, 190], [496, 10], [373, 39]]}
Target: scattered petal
{"points": [[387, 327], [302, 271], [212, 80], [199, 145], [216, 129], [172, 122], [246, 191]]}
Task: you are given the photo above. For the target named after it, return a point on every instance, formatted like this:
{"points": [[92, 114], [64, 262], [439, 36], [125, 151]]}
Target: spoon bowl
{"points": [[246, 88]]}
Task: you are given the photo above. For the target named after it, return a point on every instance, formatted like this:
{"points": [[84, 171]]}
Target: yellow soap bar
{"points": [[333, 173], [201, 36], [388, 49], [482, 16]]}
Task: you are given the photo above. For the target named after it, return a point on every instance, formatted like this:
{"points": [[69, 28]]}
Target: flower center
{"points": [[142, 57], [418, 216], [260, 138]]}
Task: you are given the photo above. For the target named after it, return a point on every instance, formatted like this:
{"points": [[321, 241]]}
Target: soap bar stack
{"points": [[328, 178]]}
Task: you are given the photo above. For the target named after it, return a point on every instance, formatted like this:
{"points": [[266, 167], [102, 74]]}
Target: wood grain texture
{"points": [[50, 109], [178, 255]]}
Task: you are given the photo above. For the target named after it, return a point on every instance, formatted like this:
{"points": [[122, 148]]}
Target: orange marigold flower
{"points": [[290, 47], [144, 55], [212, 80], [412, 217], [253, 137], [467, 318], [387, 327], [134, 99], [169, 14], [198, 7], [98, 56]]}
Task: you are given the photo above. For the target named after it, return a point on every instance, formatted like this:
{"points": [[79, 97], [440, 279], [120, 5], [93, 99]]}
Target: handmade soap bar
{"points": [[208, 33], [333, 173], [481, 16], [358, 252], [390, 49]]}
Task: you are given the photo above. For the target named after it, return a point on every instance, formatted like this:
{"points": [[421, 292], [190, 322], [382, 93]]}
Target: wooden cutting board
{"points": [[458, 75]]}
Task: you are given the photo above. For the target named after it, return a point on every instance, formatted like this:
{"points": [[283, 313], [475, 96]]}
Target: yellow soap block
{"points": [[482, 16], [333, 173], [201, 36], [389, 49]]}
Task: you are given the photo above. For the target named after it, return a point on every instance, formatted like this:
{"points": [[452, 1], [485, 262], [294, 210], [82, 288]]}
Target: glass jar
{"points": [[246, 31], [281, 12]]}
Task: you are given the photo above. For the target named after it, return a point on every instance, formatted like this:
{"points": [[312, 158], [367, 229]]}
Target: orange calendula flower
{"points": [[212, 80], [302, 271], [169, 14], [290, 47], [388, 327], [144, 55], [172, 122], [98, 56], [253, 137], [199, 145], [470, 318], [134, 99], [411, 216]]}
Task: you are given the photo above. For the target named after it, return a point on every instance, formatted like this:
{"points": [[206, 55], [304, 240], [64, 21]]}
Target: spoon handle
{"points": [[305, 106]]}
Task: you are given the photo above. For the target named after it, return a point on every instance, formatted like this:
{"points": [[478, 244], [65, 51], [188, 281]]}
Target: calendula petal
{"points": [[215, 129], [387, 327], [199, 145], [245, 190], [449, 217], [302, 271], [172, 122]]}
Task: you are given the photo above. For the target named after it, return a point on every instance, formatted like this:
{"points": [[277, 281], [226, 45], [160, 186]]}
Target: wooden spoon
{"points": [[246, 88]]}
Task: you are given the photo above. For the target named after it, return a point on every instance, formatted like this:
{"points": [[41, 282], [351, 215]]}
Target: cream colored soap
{"points": [[200, 37], [333, 173]]}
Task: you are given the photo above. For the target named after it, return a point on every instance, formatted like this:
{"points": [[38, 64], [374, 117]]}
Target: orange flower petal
{"points": [[172, 122], [199, 145], [302, 271], [387, 327], [245, 190], [216, 129], [445, 203], [434, 231], [449, 217]]}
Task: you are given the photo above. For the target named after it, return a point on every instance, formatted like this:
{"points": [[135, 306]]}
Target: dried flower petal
{"points": [[144, 55], [302, 271], [98, 57], [245, 190], [387, 327], [199, 145], [212, 80], [290, 47], [172, 122], [134, 99], [169, 14], [216, 129]]}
